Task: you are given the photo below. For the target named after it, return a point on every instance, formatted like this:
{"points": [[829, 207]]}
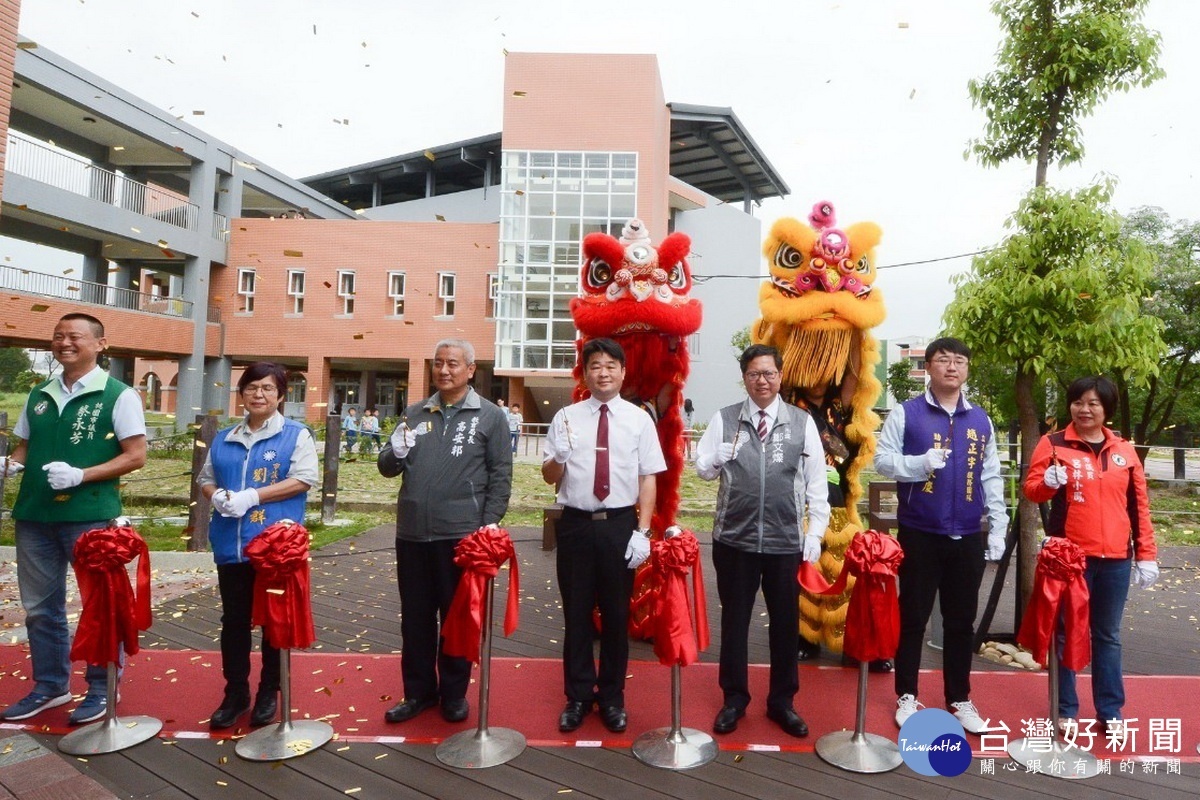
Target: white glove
{"points": [[638, 550], [62, 475], [995, 544], [403, 439], [236, 504], [935, 459], [9, 467], [566, 441], [724, 453], [812, 547], [1145, 573], [1056, 476]]}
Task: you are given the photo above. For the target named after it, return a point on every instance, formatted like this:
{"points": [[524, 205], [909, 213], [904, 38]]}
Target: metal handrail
{"points": [[43, 285], [38, 162], [220, 230]]}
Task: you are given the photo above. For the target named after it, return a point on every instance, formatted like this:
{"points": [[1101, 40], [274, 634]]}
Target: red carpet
{"points": [[351, 692]]}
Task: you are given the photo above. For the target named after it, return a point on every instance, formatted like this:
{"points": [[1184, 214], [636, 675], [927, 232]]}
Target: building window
{"points": [[493, 292], [446, 283], [246, 290], [396, 284], [346, 290], [296, 290], [297, 387], [694, 344]]}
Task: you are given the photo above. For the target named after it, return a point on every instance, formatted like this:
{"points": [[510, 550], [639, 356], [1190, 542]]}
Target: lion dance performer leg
{"points": [[638, 295], [818, 309]]}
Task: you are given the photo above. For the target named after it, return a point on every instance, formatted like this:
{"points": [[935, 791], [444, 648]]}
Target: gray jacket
{"points": [[458, 476]]}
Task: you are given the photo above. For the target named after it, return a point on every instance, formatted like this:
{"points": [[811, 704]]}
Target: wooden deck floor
{"points": [[356, 609]]}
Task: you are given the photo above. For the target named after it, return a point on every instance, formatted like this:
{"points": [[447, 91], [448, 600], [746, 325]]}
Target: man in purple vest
{"points": [[941, 450]]}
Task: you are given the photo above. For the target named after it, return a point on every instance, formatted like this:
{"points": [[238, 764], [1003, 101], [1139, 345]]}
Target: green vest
{"points": [[79, 431]]}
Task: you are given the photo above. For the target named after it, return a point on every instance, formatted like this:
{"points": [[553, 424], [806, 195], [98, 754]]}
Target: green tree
{"points": [[1064, 284], [13, 362], [900, 383], [740, 340]]}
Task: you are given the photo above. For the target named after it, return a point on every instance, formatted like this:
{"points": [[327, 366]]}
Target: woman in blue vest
{"points": [[257, 473]]}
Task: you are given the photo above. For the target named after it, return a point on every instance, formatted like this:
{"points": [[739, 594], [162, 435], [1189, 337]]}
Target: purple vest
{"points": [[952, 500]]}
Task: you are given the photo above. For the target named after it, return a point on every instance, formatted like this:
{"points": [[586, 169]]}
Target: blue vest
{"points": [[234, 468], [952, 500]]}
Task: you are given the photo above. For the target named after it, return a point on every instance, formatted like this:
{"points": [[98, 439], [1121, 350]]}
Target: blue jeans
{"points": [[44, 552], [1108, 584]]}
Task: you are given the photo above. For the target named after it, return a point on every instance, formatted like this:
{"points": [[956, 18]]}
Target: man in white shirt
{"points": [[769, 458], [603, 454]]}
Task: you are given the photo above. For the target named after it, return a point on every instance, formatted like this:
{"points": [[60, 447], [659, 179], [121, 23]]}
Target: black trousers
{"points": [[592, 573], [236, 584], [428, 578], [739, 576], [952, 569]]}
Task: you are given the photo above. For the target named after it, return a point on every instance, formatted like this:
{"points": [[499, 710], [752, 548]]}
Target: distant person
{"points": [[369, 430], [350, 427], [515, 420], [941, 451], [1096, 487], [76, 435]]}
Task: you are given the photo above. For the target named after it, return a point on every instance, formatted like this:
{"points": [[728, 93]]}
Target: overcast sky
{"points": [[861, 102]]}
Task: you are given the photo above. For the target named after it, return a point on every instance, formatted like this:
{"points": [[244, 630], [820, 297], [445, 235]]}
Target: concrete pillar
{"points": [[217, 385], [196, 269]]}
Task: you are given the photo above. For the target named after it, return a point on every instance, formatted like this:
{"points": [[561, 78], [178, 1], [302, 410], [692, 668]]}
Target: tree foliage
{"points": [[13, 362], [900, 383]]}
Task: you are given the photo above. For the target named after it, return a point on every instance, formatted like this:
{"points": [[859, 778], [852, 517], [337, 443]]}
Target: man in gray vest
{"points": [[768, 456]]}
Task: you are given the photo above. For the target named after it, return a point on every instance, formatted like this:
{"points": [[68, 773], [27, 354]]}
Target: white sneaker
{"points": [[968, 715], [1068, 728], [906, 706]]}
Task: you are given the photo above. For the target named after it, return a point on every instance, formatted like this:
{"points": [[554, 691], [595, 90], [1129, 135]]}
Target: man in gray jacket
{"points": [[769, 458], [454, 453]]}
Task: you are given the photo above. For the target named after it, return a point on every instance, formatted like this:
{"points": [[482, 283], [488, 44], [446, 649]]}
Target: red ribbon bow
{"points": [[112, 615], [480, 556], [1059, 589], [281, 585], [674, 642], [873, 617]]}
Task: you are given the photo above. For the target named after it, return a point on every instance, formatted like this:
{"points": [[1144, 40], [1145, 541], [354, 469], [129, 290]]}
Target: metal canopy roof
{"points": [[713, 152]]}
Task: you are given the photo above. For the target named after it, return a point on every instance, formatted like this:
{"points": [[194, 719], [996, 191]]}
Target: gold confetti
{"points": [[38, 307], [429, 154], [518, 93], [439, 217], [294, 253], [355, 790]]}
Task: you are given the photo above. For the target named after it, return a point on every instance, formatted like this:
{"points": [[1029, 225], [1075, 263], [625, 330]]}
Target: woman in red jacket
{"points": [[1097, 492]]}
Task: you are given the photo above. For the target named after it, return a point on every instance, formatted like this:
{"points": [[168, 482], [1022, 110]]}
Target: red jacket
{"points": [[1104, 508]]}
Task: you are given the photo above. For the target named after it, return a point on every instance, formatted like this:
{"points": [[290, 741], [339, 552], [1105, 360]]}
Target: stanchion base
{"points": [[867, 753], [285, 740], [481, 749], [1058, 761], [109, 735], [670, 749]]}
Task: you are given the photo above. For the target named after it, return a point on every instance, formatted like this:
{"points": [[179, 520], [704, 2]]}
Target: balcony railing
{"points": [[38, 162], [220, 230], [43, 285]]}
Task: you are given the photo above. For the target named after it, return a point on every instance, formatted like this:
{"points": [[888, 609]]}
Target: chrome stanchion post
{"points": [[287, 739], [857, 750], [112, 733], [1054, 757], [483, 747]]}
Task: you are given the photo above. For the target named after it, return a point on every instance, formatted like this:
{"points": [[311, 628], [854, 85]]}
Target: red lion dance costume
{"points": [[818, 309], [637, 295]]}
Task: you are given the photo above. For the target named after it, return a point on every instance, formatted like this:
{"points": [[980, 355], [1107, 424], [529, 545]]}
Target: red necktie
{"points": [[600, 484], [762, 425]]}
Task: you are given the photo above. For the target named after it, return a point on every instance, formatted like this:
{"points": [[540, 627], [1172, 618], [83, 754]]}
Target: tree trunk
{"points": [[1027, 510]]}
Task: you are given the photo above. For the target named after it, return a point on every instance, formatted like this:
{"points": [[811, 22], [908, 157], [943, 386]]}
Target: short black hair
{"points": [[264, 369], [947, 344], [606, 346], [758, 351], [1105, 389], [97, 325]]}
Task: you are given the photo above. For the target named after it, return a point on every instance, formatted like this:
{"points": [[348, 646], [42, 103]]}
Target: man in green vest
{"points": [[77, 435]]}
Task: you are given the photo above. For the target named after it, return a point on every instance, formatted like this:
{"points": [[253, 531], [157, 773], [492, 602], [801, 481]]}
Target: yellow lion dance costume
{"points": [[817, 309]]}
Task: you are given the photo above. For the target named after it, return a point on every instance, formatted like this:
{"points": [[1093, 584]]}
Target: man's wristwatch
{"points": [[643, 531]]}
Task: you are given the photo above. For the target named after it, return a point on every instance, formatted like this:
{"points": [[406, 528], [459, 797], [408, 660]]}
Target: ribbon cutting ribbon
{"points": [[112, 615], [873, 617], [279, 556], [674, 640], [480, 556], [1059, 590]]}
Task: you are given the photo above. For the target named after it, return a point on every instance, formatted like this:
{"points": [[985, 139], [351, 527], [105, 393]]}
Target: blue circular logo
{"points": [[931, 742]]}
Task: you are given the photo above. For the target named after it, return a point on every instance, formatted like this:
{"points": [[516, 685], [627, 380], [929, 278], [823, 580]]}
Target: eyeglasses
{"points": [[765, 375], [943, 361], [265, 389]]}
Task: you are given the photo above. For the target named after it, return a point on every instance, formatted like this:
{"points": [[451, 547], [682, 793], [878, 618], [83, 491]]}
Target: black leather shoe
{"points": [[727, 719], [807, 650], [232, 707], [455, 710], [791, 722], [572, 715], [614, 718], [266, 703], [407, 709]]}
